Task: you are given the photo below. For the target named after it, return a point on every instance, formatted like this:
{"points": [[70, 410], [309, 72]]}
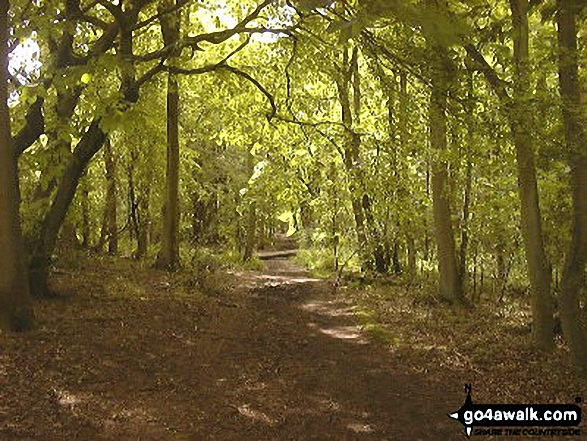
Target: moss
{"points": [[380, 334]]}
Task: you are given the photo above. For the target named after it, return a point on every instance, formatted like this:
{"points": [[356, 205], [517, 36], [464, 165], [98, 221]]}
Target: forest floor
{"points": [[130, 353]]}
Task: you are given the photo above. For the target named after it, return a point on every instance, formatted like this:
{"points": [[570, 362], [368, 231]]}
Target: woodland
{"points": [[424, 160]]}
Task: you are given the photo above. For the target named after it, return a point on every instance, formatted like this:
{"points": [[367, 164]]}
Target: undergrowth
{"points": [[489, 345]]}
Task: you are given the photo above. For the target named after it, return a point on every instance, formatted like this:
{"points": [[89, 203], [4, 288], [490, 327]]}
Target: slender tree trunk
{"points": [[380, 253], [143, 237], [86, 230], [411, 256], [199, 214], [133, 212], [16, 311], [250, 238], [450, 281], [465, 226], [352, 147], [521, 125], [572, 281], [111, 198], [467, 194], [251, 232]]}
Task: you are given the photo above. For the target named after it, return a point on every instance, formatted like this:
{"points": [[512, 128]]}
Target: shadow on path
{"points": [[277, 357]]}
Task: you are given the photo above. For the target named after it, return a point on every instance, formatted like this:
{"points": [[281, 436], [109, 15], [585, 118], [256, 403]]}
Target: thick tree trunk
{"points": [[521, 125], [88, 146], [572, 281], [169, 255], [67, 99], [449, 277], [16, 311]]}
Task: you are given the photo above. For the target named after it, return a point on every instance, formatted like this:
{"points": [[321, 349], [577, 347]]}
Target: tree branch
{"points": [[116, 11], [33, 128], [223, 66], [180, 4], [258, 85], [497, 84], [221, 36]]}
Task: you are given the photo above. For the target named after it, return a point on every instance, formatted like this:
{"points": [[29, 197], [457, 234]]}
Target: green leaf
{"points": [[86, 78]]}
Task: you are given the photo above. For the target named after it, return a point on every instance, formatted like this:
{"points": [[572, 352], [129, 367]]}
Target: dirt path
{"points": [[271, 356]]}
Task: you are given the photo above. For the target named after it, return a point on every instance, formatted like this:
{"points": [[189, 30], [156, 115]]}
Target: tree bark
{"points": [[168, 257], [449, 278], [87, 147], [251, 232], [85, 205], [521, 122], [111, 198], [250, 239], [40, 260], [572, 281], [143, 237], [16, 311], [352, 146]]}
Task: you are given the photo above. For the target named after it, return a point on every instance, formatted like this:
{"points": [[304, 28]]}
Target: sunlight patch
{"points": [[361, 428], [66, 398], [328, 308], [257, 415], [341, 332]]}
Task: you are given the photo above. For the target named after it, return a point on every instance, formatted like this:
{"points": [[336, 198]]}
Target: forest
{"points": [[289, 219]]}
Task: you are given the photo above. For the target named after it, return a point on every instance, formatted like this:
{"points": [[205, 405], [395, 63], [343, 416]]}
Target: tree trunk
{"points": [[467, 194], [450, 281], [250, 238], [16, 311], [168, 257], [251, 232], [352, 146], [111, 199], [85, 203], [143, 237], [572, 281], [88, 146], [411, 256], [522, 122], [133, 205], [465, 226]]}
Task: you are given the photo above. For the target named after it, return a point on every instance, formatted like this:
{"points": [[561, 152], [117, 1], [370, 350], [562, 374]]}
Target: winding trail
{"points": [[273, 355], [302, 369]]}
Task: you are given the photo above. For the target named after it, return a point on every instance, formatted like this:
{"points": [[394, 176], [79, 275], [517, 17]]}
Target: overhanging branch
{"points": [[257, 84], [223, 66]]}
